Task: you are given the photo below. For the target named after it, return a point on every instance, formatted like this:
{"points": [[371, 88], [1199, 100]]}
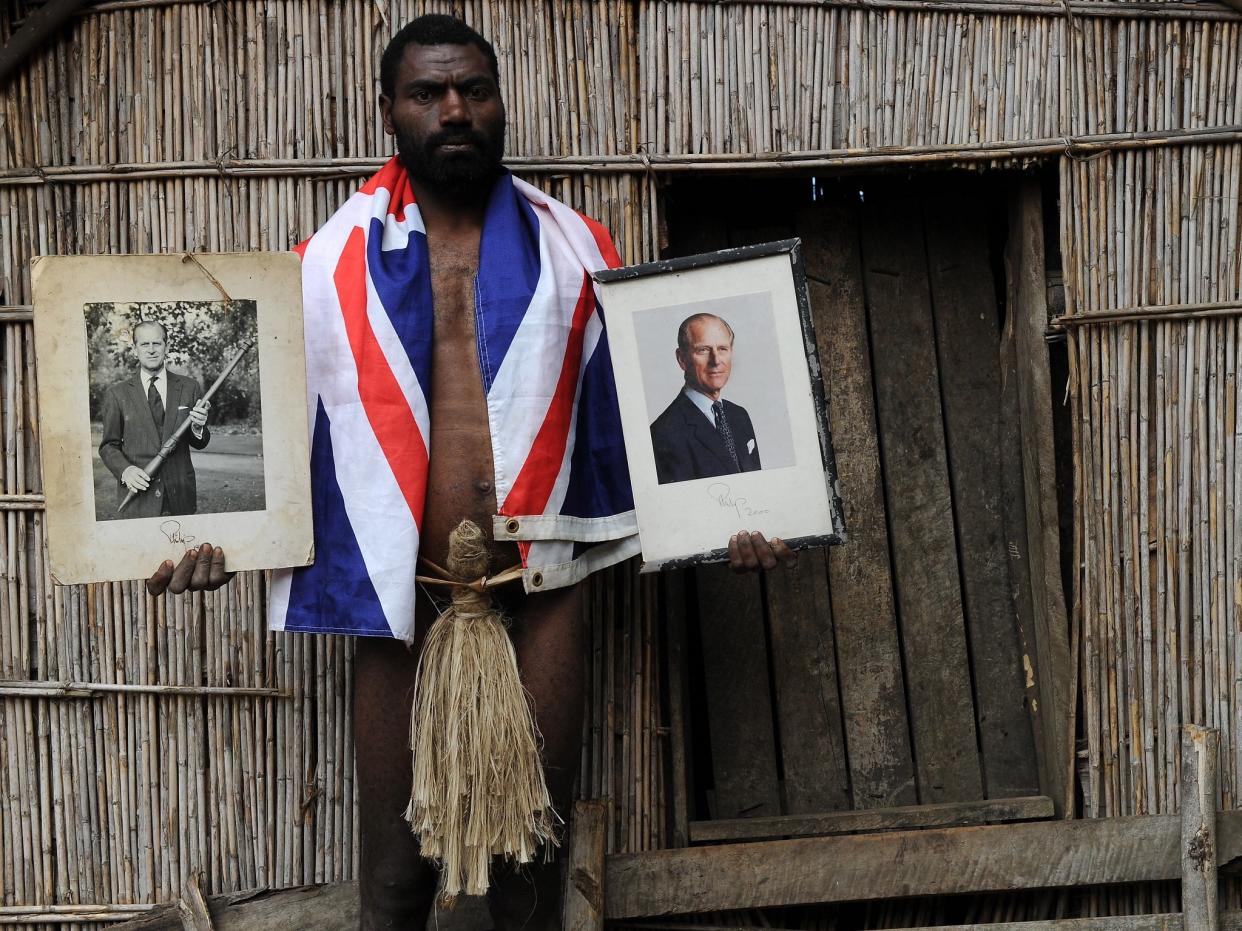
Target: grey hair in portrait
{"points": [[683, 331], [133, 334]]}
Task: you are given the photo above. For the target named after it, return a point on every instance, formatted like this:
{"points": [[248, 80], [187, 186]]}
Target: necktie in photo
{"points": [[722, 427], [156, 403]]}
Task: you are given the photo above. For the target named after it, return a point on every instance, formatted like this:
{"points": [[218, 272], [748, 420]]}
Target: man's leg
{"points": [[397, 886], [549, 638]]}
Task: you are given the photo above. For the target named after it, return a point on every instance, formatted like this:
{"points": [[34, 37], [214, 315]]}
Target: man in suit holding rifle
{"points": [[139, 415]]}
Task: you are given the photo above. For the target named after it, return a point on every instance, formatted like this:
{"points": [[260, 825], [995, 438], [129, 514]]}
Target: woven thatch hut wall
{"points": [[151, 126]]}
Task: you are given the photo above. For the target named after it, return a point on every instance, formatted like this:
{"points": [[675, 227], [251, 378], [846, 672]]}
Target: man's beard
{"points": [[462, 175]]}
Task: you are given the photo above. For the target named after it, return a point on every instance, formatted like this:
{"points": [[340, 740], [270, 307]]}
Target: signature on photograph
{"points": [[172, 530], [723, 496]]}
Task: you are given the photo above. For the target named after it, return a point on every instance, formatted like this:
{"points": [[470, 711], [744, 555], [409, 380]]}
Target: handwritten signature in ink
{"points": [[172, 530], [723, 496]]}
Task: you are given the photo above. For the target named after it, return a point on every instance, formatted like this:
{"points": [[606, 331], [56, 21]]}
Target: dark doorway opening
{"points": [[888, 671]]}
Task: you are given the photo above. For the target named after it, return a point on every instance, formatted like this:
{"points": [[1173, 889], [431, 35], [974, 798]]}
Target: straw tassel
{"points": [[478, 788]]}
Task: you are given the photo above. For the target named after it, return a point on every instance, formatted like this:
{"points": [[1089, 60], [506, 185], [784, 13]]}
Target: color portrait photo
{"points": [[710, 373], [721, 398]]}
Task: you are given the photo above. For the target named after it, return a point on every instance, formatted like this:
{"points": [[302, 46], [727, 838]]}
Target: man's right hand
{"points": [[200, 570], [135, 479]]}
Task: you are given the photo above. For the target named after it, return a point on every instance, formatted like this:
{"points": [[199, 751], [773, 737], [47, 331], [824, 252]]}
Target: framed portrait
{"points": [[172, 399], [722, 402]]}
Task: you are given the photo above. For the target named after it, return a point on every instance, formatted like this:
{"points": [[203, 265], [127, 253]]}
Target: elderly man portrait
{"points": [[701, 434], [139, 415], [475, 322]]}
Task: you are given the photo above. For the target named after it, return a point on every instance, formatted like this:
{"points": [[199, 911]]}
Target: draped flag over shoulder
{"points": [[562, 485]]}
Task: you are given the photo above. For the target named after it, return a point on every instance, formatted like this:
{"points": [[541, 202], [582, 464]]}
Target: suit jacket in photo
{"points": [[129, 438], [688, 446]]}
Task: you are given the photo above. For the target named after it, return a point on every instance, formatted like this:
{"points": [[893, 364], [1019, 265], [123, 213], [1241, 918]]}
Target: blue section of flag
{"points": [[599, 476], [335, 592], [403, 287], [508, 273]]}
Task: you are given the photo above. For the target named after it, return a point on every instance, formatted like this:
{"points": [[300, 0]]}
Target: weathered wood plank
{"points": [[916, 480], [804, 672], [325, 908], [1199, 786], [739, 706], [1230, 921], [1047, 642], [881, 765], [679, 719], [584, 891], [731, 619], [968, 344], [867, 867], [875, 819]]}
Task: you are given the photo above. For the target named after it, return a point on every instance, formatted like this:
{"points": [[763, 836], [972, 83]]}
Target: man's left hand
{"points": [[198, 415], [750, 552], [200, 570]]}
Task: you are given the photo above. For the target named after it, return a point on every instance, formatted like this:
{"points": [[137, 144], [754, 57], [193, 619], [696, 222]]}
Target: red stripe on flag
{"points": [[534, 483], [385, 403], [603, 241]]}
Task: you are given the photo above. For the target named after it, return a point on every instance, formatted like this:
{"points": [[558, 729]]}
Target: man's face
{"points": [[149, 344], [447, 117], [708, 359]]}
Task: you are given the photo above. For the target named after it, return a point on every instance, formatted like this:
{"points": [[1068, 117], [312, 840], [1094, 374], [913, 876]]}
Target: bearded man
{"points": [[458, 368]]}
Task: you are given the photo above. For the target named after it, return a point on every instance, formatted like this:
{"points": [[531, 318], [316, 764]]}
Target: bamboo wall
{"points": [[239, 124]]}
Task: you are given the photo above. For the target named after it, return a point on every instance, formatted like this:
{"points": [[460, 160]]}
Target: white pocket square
{"points": [[750, 446]]}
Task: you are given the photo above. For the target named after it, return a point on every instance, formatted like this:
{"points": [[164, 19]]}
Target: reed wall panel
{"points": [[226, 214], [1158, 532], [743, 78], [1134, 75], [119, 797], [282, 79], [1152, 227]]}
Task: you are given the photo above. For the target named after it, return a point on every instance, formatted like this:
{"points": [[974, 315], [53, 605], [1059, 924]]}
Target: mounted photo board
{"points": [[722, 403], [172, 411]]}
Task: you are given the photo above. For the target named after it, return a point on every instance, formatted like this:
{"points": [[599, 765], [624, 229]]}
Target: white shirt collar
{"points": [[161, 381], [701, 401]]}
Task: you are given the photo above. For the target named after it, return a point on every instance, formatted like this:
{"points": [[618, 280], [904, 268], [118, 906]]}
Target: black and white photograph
{"points": [[176, 415], [722, 402], [173, 412]]}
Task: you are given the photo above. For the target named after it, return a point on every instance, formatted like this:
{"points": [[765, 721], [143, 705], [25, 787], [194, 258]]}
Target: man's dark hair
{"points": [[683, 331], [133, 333], [431, 29]]}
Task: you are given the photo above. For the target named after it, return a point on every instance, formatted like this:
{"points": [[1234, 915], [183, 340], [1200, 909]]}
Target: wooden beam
{"points": [[324, 908], [584, 893], [1230, 921], [37, 29], [867, 867], [1200, 747], [1046, 637], [193, 907], [948, 814], [733, 163]]}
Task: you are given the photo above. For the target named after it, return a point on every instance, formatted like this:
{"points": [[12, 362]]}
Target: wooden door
{"points": [[886, 671]]}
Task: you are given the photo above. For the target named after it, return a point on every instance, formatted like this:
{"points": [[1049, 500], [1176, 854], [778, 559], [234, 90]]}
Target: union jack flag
{"points": [[561, 481]]}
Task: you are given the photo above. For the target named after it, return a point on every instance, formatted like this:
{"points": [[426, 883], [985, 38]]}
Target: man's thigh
{"points": [[549, 638]]}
